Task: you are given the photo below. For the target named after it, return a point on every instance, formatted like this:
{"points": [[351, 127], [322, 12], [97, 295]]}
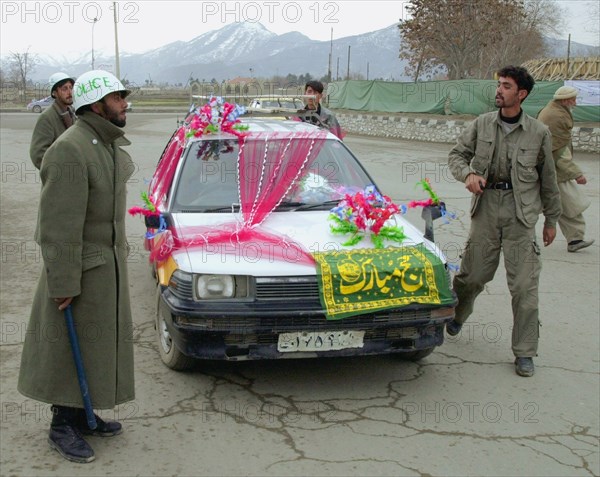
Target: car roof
{"points": [[262, 125], [277, 98]]}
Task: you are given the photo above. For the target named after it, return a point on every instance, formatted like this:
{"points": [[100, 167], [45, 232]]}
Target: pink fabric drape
{"points": [[269, 164], [163, 176]]}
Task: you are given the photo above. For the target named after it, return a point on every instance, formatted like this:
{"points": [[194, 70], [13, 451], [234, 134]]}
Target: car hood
{"points": [[310, 230]]}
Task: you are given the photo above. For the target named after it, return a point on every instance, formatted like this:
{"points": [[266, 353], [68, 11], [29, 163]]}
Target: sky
{"points": [[67, 28]]}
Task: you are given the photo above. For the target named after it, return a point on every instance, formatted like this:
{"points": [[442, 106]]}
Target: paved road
{"points": [[461, 411]]}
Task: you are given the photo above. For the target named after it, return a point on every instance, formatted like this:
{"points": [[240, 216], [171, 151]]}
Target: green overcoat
{"points": [[84, 249], [48, 128]]}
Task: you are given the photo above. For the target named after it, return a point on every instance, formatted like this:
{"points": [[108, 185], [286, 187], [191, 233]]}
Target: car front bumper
{"points": [[250, 330]]}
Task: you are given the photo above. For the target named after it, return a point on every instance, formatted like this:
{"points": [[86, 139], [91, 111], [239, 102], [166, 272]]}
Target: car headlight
{"points": [[215, 286]]}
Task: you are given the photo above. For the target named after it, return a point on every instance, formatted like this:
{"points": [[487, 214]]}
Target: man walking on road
{"points": [[84, 249], [505, 160], [559, 119]]}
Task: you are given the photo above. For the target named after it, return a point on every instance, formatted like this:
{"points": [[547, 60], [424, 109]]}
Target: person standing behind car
{"points": [[55, 120], [321, 115], [505, 160], [84, 250], [559, 119]]}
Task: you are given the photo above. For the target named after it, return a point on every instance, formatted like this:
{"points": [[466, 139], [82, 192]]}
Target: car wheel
{"points": [[37, 109], [169, 354], [416, 355]]}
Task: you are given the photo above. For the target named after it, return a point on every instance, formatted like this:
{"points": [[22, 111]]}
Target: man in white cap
{"points": [[84, 248], [56, 119], [559, 119]]}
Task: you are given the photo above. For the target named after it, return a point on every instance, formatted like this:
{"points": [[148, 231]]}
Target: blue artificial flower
{"points": [[236, 113], [339, 211]]}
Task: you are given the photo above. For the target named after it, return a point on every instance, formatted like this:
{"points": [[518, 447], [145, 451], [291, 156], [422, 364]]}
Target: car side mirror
{"points": [[429, 214], [153, 221]]}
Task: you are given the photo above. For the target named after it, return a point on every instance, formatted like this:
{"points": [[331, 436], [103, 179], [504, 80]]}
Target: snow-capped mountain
{"points": [[248, 49]]}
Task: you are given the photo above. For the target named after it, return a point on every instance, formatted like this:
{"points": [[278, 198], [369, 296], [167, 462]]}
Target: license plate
{"points": [[320, 341]]}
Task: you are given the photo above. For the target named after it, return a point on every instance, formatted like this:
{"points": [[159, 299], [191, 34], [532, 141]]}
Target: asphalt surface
{"points": [[460, 411]]}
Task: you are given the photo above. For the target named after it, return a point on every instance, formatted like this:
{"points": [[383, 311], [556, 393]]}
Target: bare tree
{"points": [[524, 37], [473, 38], [21, 65]]}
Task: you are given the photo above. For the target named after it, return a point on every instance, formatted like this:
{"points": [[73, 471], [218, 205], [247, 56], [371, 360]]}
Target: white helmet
{"points": [[57, 78], [93, 86]]}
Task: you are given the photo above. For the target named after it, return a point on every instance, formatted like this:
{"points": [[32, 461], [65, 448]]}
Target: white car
{"points": [[38, 105], [245, 259], [277, 103]]}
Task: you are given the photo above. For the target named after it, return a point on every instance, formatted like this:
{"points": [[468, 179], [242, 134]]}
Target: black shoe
{"points": [[70, 444], [524, 367], [103, 428], [453, 328]]}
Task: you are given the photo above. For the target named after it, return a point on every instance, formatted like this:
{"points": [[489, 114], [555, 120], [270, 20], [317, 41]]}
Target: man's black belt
{"points": [[499, 185]]}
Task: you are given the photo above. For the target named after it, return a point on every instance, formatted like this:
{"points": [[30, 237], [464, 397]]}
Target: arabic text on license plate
{"points": [[319, 340]]}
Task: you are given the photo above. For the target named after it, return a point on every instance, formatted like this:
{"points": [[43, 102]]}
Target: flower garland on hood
{"points": [[217, 116], [368, 212]]}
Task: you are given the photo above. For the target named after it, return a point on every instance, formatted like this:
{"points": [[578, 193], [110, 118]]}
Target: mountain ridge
{"points": [[246, 49]]}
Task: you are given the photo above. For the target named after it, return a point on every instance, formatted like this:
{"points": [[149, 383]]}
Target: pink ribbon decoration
{"points": [[269, 164]]}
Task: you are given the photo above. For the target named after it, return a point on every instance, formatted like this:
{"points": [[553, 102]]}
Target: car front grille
{"points": [[286, 288]]}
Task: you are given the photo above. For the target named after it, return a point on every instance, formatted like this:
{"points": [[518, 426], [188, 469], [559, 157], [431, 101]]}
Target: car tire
{"points": [[416, 355], [37, 109], [169, 354]]}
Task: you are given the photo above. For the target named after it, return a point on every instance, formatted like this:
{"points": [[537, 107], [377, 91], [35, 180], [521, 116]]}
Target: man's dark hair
{"points": [[315, 85], [520, 75]]}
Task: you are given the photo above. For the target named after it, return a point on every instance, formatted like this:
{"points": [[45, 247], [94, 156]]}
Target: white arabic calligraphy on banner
{"points": [[588, 92]]}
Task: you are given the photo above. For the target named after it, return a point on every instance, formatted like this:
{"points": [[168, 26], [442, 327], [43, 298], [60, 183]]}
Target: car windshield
{"points": [[208, 178]]}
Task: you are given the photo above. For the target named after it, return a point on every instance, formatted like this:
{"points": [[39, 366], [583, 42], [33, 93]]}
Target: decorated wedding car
{"points": [[268, 239]]}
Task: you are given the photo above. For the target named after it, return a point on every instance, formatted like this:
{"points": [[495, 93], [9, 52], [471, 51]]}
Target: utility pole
{"points": [[93, 25], [348, 74], [330, 56], [117, 64], [337, 73], [568, 57], [367, 71]]}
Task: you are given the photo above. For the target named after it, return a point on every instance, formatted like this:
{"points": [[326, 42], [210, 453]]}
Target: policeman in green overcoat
{"points": [[56, 119], [84, 249]]}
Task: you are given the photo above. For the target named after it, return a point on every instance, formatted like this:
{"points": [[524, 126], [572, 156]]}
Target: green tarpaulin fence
{"points": [[440, 97]]}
